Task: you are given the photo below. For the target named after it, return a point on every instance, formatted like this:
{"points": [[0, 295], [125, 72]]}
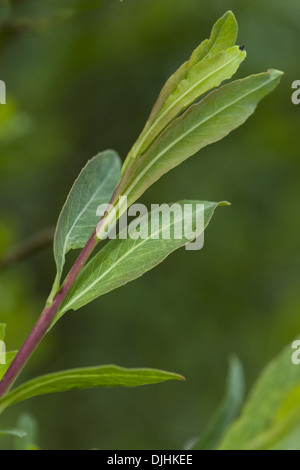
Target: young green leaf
{"points": [[94, 186], [270, 418], [222, 37], [228, 409], [200, 78], [196, 76], [91, 377], [202, 124], [123, 260]]}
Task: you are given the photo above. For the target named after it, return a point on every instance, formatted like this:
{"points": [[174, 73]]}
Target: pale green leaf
{"points": [[77, 221], [228, 409], [202, 124], [92, 377], [199, 74], [13, 432], [123, 260], [223, 36], [200, 77], [270, 418]]}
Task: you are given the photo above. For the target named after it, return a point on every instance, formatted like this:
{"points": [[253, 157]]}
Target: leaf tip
{"points": [[274, 74], [230, 17], [229, 14], [224, 203], [180, 377]]}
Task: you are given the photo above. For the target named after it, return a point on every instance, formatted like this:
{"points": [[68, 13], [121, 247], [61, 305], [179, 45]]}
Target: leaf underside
{"points": [[270, 418], [78, 379], [123, 260], [191, 80], [78, 219], [228, 410]]}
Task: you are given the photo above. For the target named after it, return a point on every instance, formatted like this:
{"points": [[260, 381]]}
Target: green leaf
{"points": [[13, 432], [77, 221], [208, 66], [123, 260], [228, 409], [213, 118], [270, 418], [200, 78], [92, 377]]}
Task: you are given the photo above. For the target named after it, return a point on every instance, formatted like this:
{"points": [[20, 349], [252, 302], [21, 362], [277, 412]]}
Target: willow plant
{"points": [[191, 112]]}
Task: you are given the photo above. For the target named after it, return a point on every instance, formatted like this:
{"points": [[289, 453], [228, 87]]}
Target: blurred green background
{"points": [[81, 77]]}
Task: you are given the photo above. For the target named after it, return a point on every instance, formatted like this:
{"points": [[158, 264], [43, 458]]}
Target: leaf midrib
{"points": [[84, 209]]}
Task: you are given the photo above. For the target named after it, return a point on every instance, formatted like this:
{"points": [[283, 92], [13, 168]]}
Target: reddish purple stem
{"points": [[44, 321]]}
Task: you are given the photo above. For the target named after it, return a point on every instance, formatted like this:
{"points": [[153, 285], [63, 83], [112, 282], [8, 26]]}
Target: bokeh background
{"points": [[81, 77]]}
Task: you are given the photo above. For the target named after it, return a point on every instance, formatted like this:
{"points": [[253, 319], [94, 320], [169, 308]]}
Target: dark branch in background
{"points": [[28, 248], [17, 23]]}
